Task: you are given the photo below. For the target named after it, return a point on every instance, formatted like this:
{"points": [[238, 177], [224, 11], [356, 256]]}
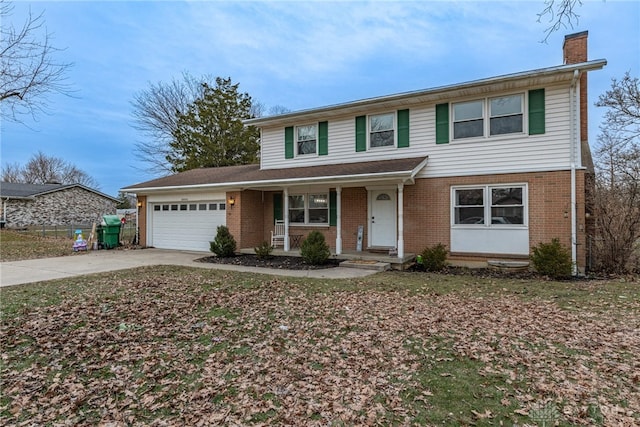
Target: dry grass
{"points": [[17, 245]]}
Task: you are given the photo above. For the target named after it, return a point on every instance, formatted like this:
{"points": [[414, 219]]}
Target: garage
{"points": [[185, 225]]}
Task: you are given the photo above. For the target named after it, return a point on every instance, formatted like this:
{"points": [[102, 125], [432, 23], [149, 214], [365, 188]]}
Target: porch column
{"points": [[338, 220], [400, 221], [285, 196]]}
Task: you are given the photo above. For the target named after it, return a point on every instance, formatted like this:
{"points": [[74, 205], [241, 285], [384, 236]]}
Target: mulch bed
{"points": [[277, 262]]}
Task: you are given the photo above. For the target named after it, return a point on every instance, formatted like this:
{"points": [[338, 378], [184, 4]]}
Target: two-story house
{"points": [[489, 168]]}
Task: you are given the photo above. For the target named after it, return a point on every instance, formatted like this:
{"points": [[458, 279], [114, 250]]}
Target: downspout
{"points": [[575, 141], [338, 220], [401, 220]]}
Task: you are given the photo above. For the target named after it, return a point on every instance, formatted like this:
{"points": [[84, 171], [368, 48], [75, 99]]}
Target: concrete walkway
{"points": [[37, 270]]}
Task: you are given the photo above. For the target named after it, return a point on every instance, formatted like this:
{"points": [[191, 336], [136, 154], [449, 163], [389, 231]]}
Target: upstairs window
{"points": [[306, 139], [506, 115], [503, 114], [468, 119], [381, 131]]}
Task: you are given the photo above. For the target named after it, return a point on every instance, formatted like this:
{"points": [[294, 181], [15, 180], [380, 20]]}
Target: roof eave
{"points": [[400, 176], [433, 93]]}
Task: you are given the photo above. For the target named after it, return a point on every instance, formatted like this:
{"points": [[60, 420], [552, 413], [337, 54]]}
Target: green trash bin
{"points": [[110, 231]]}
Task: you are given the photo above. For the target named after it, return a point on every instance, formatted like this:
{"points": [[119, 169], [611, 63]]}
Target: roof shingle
{"points": [[246, 175]]}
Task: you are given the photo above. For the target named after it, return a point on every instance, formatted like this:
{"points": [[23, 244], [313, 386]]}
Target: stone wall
{"points": [[65, 207]]}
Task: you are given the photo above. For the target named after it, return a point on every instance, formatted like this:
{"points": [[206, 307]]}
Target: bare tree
{"points": [[12, 172], [277, 110], [559, 14], [155, 113], [617, 161], [28, 70], [623, 102], [43, 169]]}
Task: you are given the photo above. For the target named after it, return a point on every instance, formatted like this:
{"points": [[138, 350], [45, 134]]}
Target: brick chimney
{"points": [[574, 50]]}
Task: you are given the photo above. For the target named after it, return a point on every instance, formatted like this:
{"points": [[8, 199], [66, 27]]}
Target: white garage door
{"points": [[186, 226]]}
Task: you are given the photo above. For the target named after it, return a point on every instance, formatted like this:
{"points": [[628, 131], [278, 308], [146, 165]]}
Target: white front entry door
{"points": [[382, 222]]}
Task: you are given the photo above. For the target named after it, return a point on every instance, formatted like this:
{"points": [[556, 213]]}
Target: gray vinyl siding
{"points": [[502, 154]]}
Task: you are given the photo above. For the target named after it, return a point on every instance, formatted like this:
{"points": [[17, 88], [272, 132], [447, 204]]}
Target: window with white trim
{"points": [[309, 208], [489, 205], [381, 130], [468, 119], [504, 115], [306, 140]]}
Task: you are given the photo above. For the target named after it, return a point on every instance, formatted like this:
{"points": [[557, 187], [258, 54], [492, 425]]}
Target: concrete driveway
{"points": [[37, 270]]}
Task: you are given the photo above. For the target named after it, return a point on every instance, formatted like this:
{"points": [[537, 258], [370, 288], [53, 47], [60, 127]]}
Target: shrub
{"points": [[314, 249], [264, 250], [434, 258], [552, 259], [224, 244]]}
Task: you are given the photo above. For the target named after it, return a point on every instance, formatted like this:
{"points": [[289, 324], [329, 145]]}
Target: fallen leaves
{"points": [[205, 348]]}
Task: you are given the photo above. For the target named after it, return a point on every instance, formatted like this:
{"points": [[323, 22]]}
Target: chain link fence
{"points": [[69, 231]]}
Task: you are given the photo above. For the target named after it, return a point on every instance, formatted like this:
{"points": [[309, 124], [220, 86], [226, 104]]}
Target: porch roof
{"points": [[251, 176]]}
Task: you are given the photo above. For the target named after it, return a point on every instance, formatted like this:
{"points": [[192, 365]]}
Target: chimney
{"points": [[574, 51], [575, 48]]}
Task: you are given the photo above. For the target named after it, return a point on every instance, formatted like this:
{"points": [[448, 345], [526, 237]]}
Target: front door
{"points": [[382, 223]]}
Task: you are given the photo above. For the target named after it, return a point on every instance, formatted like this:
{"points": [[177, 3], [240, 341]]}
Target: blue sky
{"points": [[296, 54]]}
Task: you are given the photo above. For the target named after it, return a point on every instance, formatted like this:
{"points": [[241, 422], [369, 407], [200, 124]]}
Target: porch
{"points": [[365, 257]]}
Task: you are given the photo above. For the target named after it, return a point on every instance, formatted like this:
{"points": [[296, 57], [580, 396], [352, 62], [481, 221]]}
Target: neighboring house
{"points": [[489, 168], [52, 204]]}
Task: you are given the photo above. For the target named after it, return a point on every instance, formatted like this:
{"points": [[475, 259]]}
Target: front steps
{"points": [[366, 264]]}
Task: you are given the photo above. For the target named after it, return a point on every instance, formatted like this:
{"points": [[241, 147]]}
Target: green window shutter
{"points": [[333, 208], [277, 206], [442, 123], [361, 133], [536, 112], [323, 138], [288, 142], [403, 128]]}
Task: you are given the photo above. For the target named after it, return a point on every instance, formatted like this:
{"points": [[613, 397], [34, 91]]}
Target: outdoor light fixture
{"points": [[139, 204], [232, 201]]}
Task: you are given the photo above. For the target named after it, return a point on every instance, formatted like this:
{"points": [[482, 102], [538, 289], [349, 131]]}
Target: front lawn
{"points": [[20, 245], [180, 346]]}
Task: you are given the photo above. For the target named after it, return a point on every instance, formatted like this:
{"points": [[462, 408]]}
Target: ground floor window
{"points": [[489, 205], [309, 208]]}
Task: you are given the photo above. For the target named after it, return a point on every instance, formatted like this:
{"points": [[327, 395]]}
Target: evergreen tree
{"points": [[211, 132]]}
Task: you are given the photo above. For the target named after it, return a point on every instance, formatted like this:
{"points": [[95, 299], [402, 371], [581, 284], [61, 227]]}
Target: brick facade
{"points": [[69, 206], [427, 213]]}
